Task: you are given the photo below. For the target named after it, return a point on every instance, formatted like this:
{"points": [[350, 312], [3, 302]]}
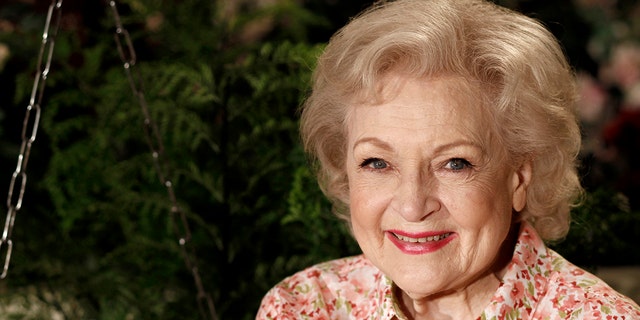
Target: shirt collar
{"points": [[525, 280]]}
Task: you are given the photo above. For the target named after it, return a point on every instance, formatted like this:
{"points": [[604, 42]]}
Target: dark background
{"points": [[223, 80]]}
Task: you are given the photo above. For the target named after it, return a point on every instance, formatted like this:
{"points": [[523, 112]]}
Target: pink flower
{"points": [[622, 307], [529, 257], [525, 274], [313, 273], [592, 98], [577, 272], [517, 292], [624, 66], [540, 283], [360, 311], [569, 303]]}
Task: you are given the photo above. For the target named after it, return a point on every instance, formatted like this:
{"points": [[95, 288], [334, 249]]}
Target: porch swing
{"points": [[153, 139]]}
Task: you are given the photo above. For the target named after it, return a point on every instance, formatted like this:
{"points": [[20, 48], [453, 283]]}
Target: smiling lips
{"points": [[419, 243], [425, 239]]}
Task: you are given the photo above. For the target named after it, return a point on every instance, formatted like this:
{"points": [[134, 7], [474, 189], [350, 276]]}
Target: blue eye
{"points": [[458, 164], [374, 163]]}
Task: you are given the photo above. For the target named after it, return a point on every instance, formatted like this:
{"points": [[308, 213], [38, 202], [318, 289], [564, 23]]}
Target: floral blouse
{"points": [[538, 284]]}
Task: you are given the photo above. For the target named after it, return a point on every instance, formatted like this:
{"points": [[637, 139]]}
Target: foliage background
{"points": [[223, 80]]}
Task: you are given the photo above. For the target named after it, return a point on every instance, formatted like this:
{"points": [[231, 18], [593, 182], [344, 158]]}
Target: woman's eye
{"points": [[374, 163], [458, 164]]}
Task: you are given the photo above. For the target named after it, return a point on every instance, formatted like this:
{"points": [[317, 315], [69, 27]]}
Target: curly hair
{"points": [[528, 88]]}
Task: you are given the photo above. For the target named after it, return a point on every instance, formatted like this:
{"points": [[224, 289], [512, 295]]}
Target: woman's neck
{"points": [[466, 303]]}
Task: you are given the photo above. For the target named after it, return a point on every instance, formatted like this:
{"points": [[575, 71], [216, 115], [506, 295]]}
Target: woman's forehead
{"points": [[465, 96], [424, 102], [386, 86]]}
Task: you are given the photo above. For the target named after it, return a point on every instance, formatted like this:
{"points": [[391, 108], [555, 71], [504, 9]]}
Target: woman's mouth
{"points": [[423, 239], [415, 244]]}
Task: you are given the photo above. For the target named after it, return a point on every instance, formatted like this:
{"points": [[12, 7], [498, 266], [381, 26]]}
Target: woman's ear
{"points": [[520, 182]]}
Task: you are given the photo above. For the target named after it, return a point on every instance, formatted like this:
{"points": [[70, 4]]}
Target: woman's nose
{"points": [[416, 197]]}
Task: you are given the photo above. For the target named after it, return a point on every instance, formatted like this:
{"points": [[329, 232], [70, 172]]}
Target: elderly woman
{"points": [[445, 133]]}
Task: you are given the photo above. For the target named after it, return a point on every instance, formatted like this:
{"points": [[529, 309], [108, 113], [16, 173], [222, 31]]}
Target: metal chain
{"points": [[154, 140], [29, 130]]}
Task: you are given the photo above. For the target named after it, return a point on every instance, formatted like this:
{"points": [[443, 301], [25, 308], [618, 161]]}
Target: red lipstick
{"points": [[419, 243]]}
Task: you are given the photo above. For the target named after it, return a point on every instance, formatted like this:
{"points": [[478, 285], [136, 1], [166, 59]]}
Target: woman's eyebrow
{"points": [[377, 142], [457, 144]]}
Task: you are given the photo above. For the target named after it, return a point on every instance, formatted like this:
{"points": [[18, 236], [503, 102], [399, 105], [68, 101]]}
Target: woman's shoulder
{"points": [[573, 291], [326, 289], [333, 272]]}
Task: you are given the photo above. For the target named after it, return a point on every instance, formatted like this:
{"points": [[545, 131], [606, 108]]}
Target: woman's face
{"points": [[430, 206]]}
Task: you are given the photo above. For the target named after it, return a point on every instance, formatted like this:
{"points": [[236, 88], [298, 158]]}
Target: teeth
{"points": [[422, 240]]}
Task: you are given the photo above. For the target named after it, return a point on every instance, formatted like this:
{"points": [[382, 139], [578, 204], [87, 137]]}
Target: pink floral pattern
{"points": [[539, 284]]}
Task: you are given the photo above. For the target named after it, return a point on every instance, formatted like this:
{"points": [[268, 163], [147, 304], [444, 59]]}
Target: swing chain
{"points": [[154, 141], [31, 120]]}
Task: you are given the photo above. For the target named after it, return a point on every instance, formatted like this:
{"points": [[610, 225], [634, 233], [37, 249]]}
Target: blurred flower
{"points": [[623, 131], [592, 98], [632, 98], [623, 68], [154, 21], [255, 29], [4, 55], [6, 26]]}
